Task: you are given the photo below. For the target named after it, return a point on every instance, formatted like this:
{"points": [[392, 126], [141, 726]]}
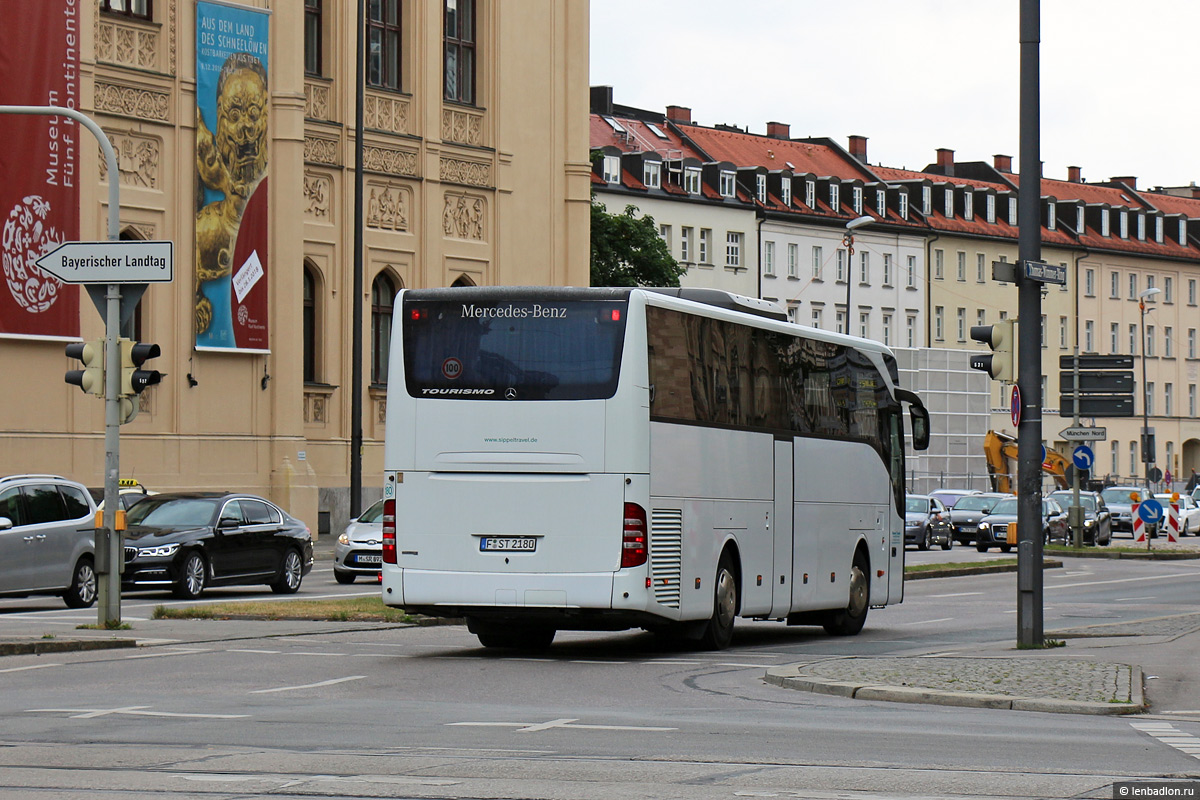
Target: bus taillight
{"points": [[633, 542], [389, 531]]}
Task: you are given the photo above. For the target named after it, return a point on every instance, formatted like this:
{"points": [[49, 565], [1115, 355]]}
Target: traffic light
{"points": [[134, 379], [1000, 338], [91, 377]]}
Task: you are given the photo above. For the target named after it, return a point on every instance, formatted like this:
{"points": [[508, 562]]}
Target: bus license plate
{"points": [[520, 544], [370, 559]]}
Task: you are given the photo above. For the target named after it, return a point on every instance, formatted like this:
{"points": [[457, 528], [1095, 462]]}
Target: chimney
{"points": [[601, 100], [1002, 163], [945, 160], [1075, 174], [679, 114], [1128, 180], [778, 130], [858, 147]]}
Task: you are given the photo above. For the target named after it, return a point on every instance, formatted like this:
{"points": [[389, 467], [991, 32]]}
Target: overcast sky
{"points": [[1117, 77]]}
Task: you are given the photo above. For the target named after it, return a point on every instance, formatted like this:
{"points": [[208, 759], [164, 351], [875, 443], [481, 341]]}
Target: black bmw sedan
{"points": [[187, 541]]}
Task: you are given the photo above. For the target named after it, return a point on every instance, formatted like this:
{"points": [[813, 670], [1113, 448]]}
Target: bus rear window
{"points": [[513, 349]]}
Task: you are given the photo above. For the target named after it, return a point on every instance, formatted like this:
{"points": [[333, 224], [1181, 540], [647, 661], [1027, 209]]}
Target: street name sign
{"points": [[1097, 405], [1097, 382], [111, 262], [1042, 272], [1084, 434]]}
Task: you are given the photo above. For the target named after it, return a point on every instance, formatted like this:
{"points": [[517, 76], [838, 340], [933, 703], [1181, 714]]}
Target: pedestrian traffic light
{"points": [[999, 364], [134, 379], [91, 377]]}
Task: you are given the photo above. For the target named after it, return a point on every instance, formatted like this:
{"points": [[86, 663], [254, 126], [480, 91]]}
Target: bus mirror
{"points": [[920, 426]]}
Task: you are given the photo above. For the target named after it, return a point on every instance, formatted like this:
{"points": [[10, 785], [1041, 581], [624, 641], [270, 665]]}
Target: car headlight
{"points": [[158, 551], [983, 526], [1087, 523], [344, 539]]}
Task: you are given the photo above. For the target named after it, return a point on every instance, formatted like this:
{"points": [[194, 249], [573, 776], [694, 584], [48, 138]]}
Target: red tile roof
{"points": [[1090, 193], [754, 150], [892, 175]]}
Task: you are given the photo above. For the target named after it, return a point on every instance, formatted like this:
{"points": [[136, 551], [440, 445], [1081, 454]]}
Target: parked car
{"points": [[993, 528], [359, 550], [47, 534], [129, 491], [1097, 518], [950, 497], [926, 522], [188, 541], [1120, 504], [1189, 513], [966, 513]]}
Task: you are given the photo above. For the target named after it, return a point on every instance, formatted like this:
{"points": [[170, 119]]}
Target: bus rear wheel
{"points": [[718, 633], [850, 620]]}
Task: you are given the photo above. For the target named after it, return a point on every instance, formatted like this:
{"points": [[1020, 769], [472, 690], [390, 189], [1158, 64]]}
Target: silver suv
{"points": [[47, 530]]}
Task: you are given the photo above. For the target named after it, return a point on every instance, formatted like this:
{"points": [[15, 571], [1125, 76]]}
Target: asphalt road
{"points": [[385, 711]]}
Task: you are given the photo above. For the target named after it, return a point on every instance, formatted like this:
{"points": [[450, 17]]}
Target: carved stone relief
{"points": [[145, 232], [320, 150], [138, 159], [464, 127], [316, 408], [387, 207], [316, 100], [317, 189], [127, 44], [390, 162], [471, 173], [130, 102], [385, 113], [463, 216]]}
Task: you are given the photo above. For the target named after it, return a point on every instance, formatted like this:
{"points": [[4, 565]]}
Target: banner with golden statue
{"points": [[232, 107], [39, 168]]}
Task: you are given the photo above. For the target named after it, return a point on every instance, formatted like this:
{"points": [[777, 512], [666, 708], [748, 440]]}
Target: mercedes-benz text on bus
{"points": [[604, 459]]}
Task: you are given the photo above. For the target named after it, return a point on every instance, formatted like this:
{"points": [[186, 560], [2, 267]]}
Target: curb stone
{"points": [[792, 677], [25, 647]]}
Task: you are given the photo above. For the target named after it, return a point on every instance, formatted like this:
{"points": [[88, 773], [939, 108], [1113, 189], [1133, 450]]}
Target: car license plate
{"points": [[369, 559], [519, 544]]}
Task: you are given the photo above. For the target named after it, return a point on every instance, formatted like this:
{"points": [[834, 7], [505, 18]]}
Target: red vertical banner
{"points": [[39, 167]]}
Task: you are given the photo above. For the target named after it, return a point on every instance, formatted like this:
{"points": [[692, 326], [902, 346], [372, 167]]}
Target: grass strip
{"points": [[350, 609]]}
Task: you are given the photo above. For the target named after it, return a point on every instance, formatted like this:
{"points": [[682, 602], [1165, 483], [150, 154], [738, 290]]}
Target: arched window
{"points": [[310, 325], [383, 295], [132, 328], [463, 280]]}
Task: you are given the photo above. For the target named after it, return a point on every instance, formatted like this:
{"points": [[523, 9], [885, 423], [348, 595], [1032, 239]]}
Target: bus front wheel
{"points": [[718, 633], [850, 620]]}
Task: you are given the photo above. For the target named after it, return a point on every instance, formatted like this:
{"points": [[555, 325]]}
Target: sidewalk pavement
{"points": [[1080, 678]]}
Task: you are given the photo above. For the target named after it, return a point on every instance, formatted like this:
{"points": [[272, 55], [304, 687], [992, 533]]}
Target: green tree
{"points": [[627, 250]]}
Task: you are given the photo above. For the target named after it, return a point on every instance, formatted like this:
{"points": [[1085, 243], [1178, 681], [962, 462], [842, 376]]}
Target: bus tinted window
{"points": [[513, 349], [713, 372]]}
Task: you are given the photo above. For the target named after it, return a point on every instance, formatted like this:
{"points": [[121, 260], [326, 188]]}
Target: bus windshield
{"points": [[513, 349]]}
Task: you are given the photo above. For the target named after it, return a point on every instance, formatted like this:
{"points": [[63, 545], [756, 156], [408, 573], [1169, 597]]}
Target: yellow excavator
{"points": [[1001, 452]]}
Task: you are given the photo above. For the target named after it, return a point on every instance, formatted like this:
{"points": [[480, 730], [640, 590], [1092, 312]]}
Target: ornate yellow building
{"points": [[475, 171]]}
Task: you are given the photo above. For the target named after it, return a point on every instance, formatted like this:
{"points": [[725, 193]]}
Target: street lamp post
{"points": [[1147, 454], [848, 241]]}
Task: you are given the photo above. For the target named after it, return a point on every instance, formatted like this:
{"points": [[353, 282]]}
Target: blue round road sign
{"points": [[1151, 511], [1015, 407], [1083, 457]]}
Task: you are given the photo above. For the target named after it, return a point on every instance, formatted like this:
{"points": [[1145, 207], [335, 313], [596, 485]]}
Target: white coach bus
{"points": [[666, 459]]}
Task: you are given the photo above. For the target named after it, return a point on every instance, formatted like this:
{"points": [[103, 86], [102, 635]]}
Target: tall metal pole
{"points": [[1029, 313], [356, 296], [107, 547]]}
